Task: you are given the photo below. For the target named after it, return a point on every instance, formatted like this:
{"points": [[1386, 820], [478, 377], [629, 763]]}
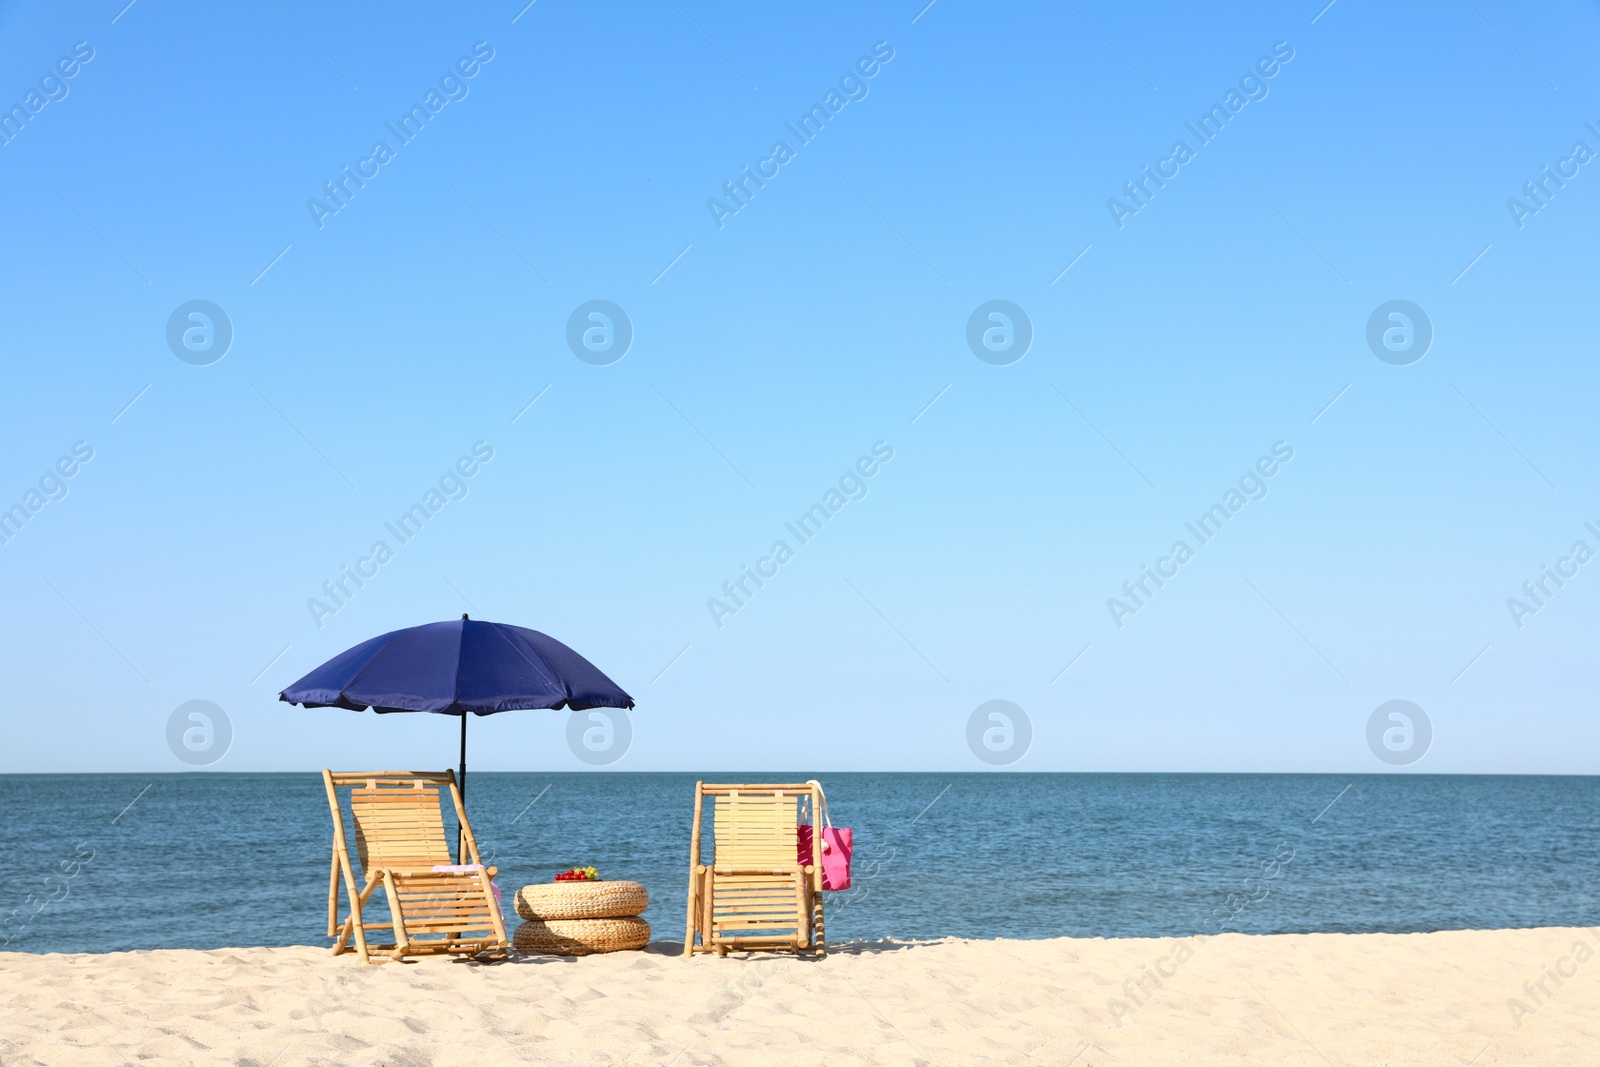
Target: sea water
{"points": [[94, 863]]}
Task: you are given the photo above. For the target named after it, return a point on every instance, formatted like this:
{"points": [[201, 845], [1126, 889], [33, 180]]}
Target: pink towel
{"points": [[469, 867]]}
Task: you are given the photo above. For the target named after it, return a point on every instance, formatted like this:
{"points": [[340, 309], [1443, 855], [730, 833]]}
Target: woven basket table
{"points": [[580, 918], [581, 937], [582, 900]]}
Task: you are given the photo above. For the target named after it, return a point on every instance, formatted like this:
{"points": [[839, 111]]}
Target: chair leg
{"points": [[690, 926], [402, 944], [353, 924], [802, 907], [342, 942], [496, 920], [333, 897], [708, 931]]}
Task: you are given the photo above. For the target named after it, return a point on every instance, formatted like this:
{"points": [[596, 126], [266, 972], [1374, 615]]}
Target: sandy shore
{"points": [[1470, 997]]}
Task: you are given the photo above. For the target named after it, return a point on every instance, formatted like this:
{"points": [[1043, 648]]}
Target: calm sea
{"points": [[210, 860]]}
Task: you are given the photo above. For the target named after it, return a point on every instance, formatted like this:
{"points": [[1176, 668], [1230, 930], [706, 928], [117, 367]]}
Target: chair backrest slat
{"points": [[399, 825], [755, 830]]}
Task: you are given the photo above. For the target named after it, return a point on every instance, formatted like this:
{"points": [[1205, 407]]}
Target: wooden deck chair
{"points": [[755, 894], [399, 840]]}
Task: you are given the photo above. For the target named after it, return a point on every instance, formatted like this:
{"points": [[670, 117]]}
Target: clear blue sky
{"points": [[769, 353]]}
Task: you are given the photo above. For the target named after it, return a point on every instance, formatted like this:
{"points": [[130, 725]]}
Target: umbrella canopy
{"points": [[455, 668]]}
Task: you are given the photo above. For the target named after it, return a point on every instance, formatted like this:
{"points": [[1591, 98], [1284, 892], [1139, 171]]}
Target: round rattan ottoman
{"points": [[581, 937], [581, 918], [582, 900]]}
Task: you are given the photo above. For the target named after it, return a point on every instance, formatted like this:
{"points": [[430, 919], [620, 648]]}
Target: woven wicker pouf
{"points": [[582, 900], [581, 918], [581, 937]]}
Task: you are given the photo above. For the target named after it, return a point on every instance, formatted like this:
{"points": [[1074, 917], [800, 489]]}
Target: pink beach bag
{"points": [[836, 847], [451, 867]]}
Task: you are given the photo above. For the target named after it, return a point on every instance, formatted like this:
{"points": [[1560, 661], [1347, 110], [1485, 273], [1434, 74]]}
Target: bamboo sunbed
{"points": [[755, 893], [400, 839]]}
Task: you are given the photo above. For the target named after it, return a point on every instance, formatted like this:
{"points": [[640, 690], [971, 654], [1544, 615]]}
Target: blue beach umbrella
{"points": [[456, 668]]}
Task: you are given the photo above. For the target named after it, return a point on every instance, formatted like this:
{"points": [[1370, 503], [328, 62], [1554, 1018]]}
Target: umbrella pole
{"points": [[461, 834]]}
